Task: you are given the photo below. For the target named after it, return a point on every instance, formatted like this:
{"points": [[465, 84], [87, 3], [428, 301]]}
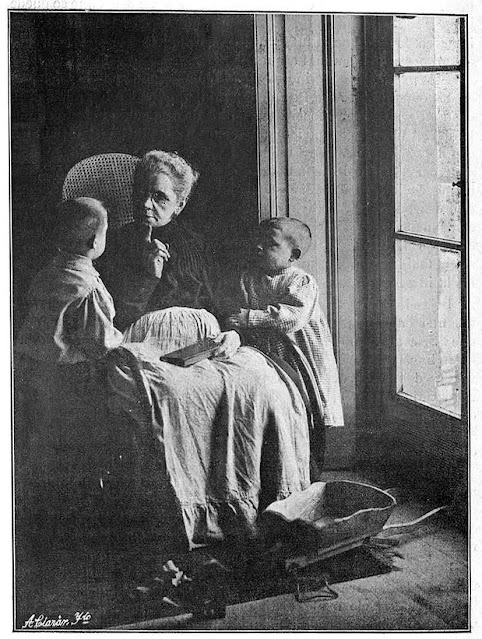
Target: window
{"points": [[415, 235], [428, 206]]}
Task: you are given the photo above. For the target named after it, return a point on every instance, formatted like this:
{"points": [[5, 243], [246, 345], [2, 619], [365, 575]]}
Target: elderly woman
{"points": [[233, 428], [157, 261]]}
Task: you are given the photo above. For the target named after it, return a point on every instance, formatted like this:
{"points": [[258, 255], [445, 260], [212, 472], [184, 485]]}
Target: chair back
{"points": [[107, 177]]}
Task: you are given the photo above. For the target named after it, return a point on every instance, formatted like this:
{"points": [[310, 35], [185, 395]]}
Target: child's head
{"points": [[82, 226], [281, 241]]}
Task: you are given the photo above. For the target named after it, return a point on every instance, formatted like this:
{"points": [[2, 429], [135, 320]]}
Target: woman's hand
{"points": [[229, 342], [154, 253]]}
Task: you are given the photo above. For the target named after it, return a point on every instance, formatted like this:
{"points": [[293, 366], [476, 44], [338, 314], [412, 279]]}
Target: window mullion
{"points": [[426, 69], [431, 241]]}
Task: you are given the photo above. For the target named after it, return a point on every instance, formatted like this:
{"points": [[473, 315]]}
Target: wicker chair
{"points": [[107, 177]]}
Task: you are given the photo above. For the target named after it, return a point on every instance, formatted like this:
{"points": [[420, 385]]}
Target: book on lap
{"points": [[191, 354]]}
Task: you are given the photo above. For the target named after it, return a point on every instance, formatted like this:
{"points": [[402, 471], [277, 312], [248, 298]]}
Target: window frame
{"points": [[392, 414]]}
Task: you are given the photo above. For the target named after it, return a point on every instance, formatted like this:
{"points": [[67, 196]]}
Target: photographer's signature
{"points": [[43, 621]]}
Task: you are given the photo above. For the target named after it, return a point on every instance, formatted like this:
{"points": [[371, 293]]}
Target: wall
{"points": [[349, 128], [291, 128], [311, 167], [88, 83]]}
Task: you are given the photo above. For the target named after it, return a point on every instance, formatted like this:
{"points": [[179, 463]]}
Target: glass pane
{"points": [[426, 40], [429, 325], [427, 154]]}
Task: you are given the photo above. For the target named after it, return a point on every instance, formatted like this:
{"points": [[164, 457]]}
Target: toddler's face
{"points": [[274, 251]]}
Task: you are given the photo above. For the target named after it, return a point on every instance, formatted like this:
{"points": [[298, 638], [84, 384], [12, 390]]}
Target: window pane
{"points": [[427, 154], [426, 40], [429, 325]]}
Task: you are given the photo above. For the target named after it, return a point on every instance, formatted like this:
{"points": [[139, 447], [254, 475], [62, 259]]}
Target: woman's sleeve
{"points": [[89, 327], [131, 293], [125, 278], [229, 297], [292, 312]]}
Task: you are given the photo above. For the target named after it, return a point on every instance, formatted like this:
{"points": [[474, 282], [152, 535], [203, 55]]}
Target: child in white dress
{"points": [[67, 334], [279, 300], [71, 313]]}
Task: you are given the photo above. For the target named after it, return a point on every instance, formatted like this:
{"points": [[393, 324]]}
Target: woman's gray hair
{"points": [[182, 174]]}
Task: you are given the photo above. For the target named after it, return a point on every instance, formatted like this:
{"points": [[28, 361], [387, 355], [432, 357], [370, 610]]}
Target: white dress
{"points": [[288, 302], [58, 386]]}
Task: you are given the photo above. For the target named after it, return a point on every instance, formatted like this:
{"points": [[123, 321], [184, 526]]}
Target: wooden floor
{"points": [[429, 591]]}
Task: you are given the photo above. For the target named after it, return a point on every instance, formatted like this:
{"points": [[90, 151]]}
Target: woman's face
{"points": [[155, 201]]}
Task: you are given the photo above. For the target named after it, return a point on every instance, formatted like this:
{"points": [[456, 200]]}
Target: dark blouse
{"points": [[188, 278]]}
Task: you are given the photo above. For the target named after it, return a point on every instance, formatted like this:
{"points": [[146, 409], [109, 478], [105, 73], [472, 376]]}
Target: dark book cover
{"points": [[192, 354]]}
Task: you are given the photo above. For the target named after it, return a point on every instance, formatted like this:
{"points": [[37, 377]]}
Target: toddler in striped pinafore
{"points": [[277, 297]]}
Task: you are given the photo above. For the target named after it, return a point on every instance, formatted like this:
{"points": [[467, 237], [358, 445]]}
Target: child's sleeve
{"points": [[88, 326], [293, 310]]}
